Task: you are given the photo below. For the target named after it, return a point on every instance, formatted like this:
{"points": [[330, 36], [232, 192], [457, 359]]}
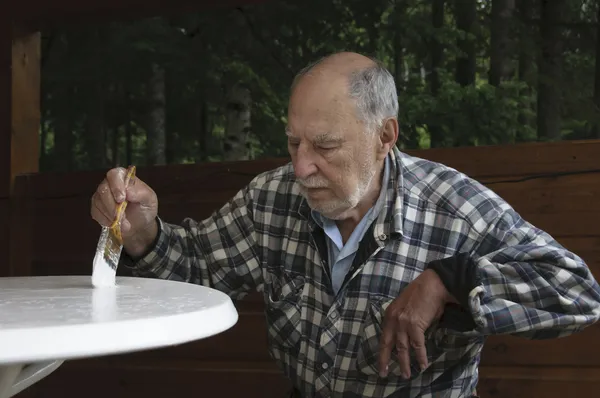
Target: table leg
{"points": [[15, 378]]}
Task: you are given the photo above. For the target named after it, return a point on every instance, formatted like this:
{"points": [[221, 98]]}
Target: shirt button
{"points": [[382, 237], [325, 365], [334, 314]]}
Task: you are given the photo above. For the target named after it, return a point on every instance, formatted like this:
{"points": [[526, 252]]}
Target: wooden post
{"points": [[19, 125]]}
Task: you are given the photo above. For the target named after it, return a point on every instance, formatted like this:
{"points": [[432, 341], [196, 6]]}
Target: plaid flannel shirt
{"points": [[509, 276]]}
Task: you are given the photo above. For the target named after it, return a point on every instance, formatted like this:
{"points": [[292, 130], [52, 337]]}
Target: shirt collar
{"points": [[391, 219]]}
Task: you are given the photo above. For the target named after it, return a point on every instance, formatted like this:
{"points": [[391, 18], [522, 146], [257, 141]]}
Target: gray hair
{"points": [[373, 89]]}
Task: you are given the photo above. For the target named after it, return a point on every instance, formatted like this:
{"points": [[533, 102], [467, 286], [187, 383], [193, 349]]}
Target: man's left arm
{"points": [[518, 280]]}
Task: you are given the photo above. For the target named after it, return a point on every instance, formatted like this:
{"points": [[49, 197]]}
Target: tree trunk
{"points": [[43, 142], [466, 19], [203, 129], [500, 42], [63, 134], [399, 74], [94, 138], [526, 41], [526, 58], [437, 20], [156, 131], [171, 139], [129, 130], [129, 142], [116, 159], [238, 124], [374, 35], [549, 71]]}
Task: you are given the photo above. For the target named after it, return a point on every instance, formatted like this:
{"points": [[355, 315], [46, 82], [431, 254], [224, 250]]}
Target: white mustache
{"points": [[313, 182]]}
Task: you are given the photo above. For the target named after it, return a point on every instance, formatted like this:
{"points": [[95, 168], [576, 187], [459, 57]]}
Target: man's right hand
{"points": [[138, 227]]}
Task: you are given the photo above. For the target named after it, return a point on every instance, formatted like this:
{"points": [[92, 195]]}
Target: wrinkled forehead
{"points": [[332, 115]]}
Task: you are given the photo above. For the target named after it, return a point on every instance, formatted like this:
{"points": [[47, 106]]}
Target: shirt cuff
{"points": [[459, 275], [147, 260]]}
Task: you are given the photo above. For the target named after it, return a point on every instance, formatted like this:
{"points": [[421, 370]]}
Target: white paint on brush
{"points": [[103, 275]]}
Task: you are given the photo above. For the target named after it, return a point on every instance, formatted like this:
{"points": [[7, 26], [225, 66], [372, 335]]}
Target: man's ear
{"points": [[388, 136]]}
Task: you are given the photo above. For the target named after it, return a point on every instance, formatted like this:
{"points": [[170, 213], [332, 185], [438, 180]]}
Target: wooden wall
{"points": [[555, 186]]}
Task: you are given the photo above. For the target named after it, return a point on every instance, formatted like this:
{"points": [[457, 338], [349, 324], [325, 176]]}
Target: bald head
{"points": [[357, 77], [342, 64]]}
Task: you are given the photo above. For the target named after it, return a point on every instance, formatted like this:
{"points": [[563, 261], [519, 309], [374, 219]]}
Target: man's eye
{"points": [[327, 148]]}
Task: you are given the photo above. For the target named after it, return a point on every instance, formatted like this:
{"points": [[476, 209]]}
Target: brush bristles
{"points": [[112, 250]]}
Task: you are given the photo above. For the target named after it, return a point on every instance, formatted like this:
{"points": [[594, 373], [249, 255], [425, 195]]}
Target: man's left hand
{"points": [[408, 317]]}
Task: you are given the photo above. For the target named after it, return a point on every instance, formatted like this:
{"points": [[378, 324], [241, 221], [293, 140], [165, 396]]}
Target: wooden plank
{"points": [[25, 108], [508, 388], [21, 229], [576, 350], [5, 100], [5, 125], [518, 160], [181, 379], [4, 236], [559, 206], [173, 179], [541, 373], [245, 342]]}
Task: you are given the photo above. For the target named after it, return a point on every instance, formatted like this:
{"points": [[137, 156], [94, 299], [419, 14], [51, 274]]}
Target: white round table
{"points": [[47, 320]]}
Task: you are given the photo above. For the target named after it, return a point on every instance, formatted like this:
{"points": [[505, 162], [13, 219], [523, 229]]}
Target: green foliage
{"points": [[472, 115], [97, 87]]}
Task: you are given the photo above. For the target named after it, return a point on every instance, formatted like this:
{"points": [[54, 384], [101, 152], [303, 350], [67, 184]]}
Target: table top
{"points": [[64, 317]]}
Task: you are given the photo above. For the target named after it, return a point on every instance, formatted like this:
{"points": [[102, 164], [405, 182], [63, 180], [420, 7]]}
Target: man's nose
{"points": [[304, 164]]}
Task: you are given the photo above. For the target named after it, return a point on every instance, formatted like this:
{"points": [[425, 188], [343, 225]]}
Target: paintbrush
{"points": [[110, 245]]}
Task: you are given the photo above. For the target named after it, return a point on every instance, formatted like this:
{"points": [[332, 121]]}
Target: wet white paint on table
{"points": [[47, 320]]}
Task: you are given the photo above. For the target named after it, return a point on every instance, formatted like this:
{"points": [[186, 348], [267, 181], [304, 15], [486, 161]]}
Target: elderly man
{"points": [[382, 273]]}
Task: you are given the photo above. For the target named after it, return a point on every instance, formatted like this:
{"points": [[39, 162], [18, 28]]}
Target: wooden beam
{"points": [[5, 106], [19, 120], [25, 104], [19, 104]]}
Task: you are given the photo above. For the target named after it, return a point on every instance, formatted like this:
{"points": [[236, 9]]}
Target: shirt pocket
{"points": [[367, 360], [284, 299], [441, 345]]}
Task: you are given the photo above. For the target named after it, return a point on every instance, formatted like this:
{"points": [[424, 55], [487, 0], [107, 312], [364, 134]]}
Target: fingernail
{"points": [[125, 225], [406, 375]]}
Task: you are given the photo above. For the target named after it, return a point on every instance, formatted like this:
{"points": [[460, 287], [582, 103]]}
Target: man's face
{"points": [[334, 158]]}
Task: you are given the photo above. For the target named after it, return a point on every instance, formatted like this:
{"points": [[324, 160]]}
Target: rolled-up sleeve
{"points": [[519, 280]]}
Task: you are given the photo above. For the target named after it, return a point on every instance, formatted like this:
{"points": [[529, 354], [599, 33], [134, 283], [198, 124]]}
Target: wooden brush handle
{"points": [[116, 225]]}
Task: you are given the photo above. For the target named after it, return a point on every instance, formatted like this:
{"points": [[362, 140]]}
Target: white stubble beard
{"points": [[338, 209]]}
